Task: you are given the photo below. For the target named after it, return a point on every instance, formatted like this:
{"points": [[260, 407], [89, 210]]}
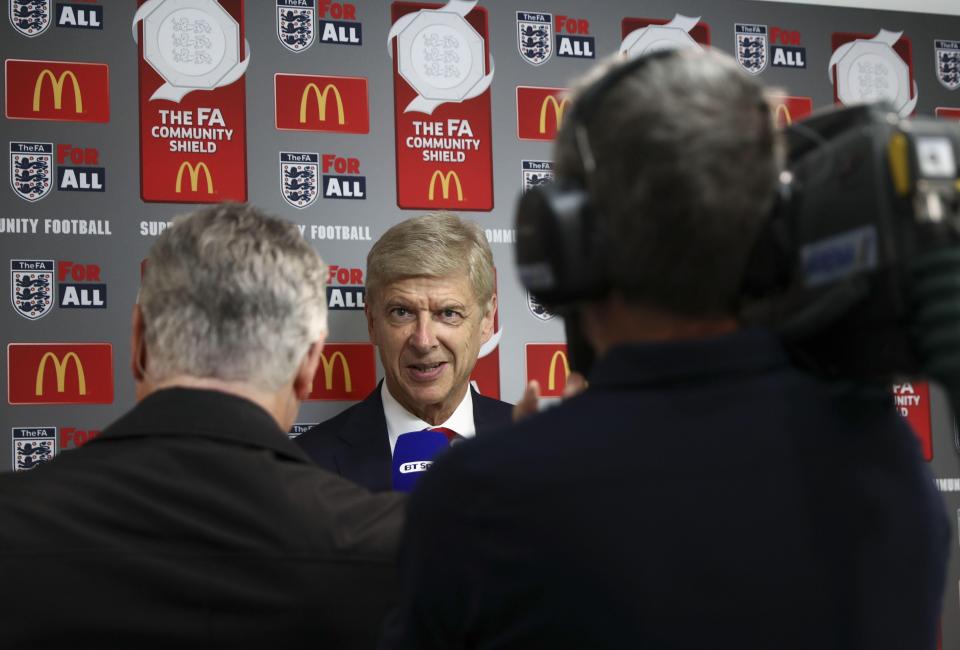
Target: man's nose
{"points": [[424, 337]]}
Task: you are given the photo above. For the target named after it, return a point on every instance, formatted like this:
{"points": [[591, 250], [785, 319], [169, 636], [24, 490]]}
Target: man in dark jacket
{"points": [[193, 521]]}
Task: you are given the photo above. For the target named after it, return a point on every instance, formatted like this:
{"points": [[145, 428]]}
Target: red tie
{"points": [[451, 435]]}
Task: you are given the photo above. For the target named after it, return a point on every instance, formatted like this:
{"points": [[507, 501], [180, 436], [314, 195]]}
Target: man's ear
{"points": [[307, 370], [138, 345], [486, 325], [371, 334]]}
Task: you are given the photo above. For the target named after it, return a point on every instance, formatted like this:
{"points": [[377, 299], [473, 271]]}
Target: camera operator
{"points": [[703, 492]]}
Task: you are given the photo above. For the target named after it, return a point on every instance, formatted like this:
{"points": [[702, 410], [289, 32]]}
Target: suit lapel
{"points": [[364, 453]]}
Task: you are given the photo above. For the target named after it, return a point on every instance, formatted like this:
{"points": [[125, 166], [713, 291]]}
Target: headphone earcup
{"points": [[557, 250]]}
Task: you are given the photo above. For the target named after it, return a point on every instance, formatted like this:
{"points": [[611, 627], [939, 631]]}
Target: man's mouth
{"points": [[426, 371]]}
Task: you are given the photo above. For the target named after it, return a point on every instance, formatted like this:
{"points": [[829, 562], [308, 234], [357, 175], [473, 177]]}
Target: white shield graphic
{"points": [[535, 36], [948, 63], [299, 178], [751, 47], [675, 35], [296, 26], [33, 446], [870, 70], [31, 287], [30, 17], [536, 172], [31, 169]]}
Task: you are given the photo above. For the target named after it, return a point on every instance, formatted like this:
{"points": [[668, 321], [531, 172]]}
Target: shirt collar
{"points": [[400, 420]]}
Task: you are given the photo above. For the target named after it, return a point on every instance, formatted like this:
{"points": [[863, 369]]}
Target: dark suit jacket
{"points": [[700, 494], [193, 522], [354, 444]]}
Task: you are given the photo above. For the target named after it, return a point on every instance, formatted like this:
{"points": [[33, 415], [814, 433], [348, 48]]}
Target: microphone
{"points": [[413, 455]]}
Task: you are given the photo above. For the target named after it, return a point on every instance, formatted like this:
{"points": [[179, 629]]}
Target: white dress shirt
{"points": [[400, 420]]}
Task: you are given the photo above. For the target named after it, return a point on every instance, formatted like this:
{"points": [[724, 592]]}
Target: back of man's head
{"points": [[233, 294], [686, 165]]}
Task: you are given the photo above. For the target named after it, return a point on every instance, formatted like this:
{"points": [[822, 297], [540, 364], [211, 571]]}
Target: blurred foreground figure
{"points": [[193, 521], [703, 492]]}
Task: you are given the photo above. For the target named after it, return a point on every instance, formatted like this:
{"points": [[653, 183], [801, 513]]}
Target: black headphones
{"points": [[559, 244]]}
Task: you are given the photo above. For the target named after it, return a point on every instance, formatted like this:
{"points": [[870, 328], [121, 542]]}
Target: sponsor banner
{"points": [[347, 372], [66, 91], [441, 78], [751, 47], [947, 113], [338, 23], [573, 38], [535, 172], [31, 287], [342, 179], [787, 109], [868, 68], [60, 373], [193, 141], [29, 17], [75, 15], [33, 446], [298, 178], [641, 35], [335, 233], [72, 437], [31, 169], [85, 289], [345, 289], [78, 169], [785, 50], [913, 403], [540, 112], [296, 24], [535, 36], [321, 103], [549, 365], [948, 63]]}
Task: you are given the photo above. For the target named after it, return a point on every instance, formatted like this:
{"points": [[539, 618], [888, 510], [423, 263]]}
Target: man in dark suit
{"points": [[703, 492], [193, 521], [430, 309]]}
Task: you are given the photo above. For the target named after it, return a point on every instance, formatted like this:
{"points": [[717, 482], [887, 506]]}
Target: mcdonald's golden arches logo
{"points": [[558, 110], [346, 372], [60, 373], [194, 172], [549, 365], [78, 92], [56, 84], [321, 102], [561, 356], [446, 179], [60, 367], [783, 116]]}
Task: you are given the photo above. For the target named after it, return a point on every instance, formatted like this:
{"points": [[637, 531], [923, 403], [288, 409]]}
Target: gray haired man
{"points": [[193, 521]]}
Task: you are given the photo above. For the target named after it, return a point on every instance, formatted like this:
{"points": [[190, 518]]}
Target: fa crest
{"points": [[536, 172], [948, 63], [31, 287], [752, 47], [535, 36], [30, 17], [298, 178], [295, 24], [33, 446], [538, 309], [31, 165]]}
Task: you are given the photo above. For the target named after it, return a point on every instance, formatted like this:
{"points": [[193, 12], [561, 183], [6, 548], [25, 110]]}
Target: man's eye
{"points": [[400, 312], [451, 315]]}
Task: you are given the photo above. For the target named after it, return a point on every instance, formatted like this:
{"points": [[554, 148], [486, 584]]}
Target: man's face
{"points": [[429, 332]]}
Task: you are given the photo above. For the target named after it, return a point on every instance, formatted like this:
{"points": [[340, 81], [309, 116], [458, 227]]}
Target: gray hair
{"points": [[435, 245], [232, 293], [687, 160]]}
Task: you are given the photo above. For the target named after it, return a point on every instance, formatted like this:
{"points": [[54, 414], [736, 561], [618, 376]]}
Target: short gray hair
{"points": [[434, 245], [232, 293], [687, 161]]}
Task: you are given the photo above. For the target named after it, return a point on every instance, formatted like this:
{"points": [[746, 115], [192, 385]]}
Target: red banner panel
{"points": [[60, 373], [193, 140], [948, 113], [787, 109], [441, 78], [549, 365], [306, 102], [540, 112], [347, 372], [57, 90], [913, 403]]}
